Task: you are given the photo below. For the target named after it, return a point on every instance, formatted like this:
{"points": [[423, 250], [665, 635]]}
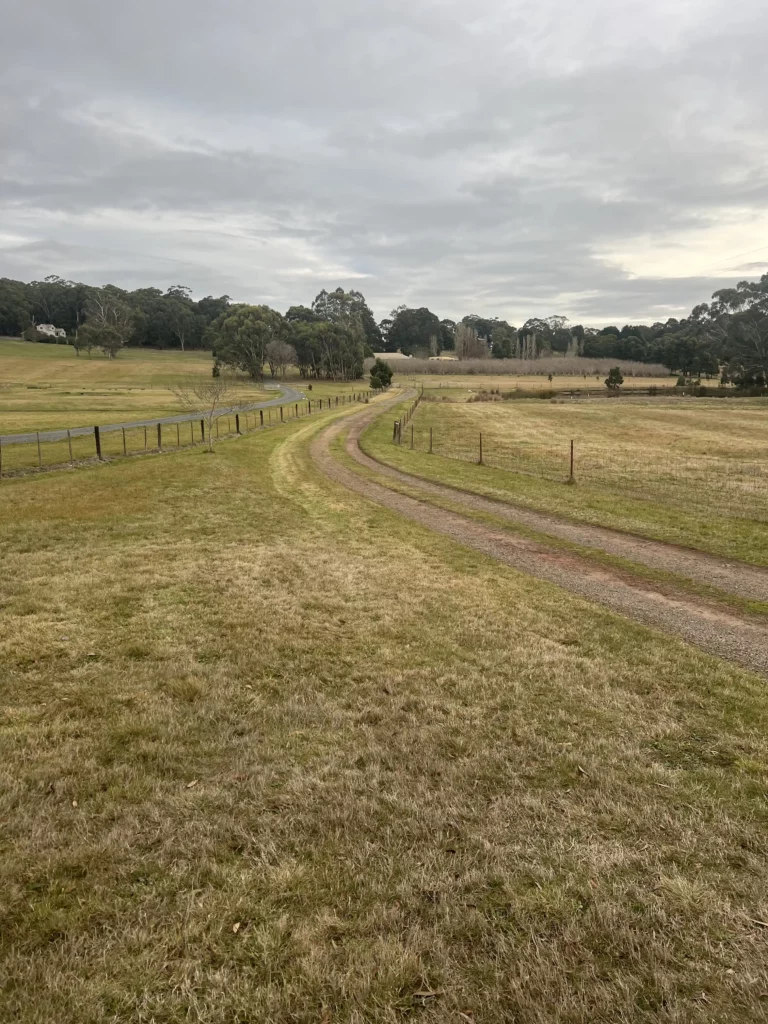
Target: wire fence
{"points": [[47, 450], [732, 487]]}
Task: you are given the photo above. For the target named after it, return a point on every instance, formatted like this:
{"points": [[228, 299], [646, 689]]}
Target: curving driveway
{"points": [[287, 394], [704, 623]]}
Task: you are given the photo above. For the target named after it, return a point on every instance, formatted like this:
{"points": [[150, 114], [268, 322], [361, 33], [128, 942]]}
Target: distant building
{"points": [[50, 331]]}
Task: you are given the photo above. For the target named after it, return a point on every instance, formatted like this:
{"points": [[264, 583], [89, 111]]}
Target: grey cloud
{"points": [[464, 154]]}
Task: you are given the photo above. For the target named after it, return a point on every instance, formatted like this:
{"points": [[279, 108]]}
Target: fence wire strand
{"points": [[733, 487]]}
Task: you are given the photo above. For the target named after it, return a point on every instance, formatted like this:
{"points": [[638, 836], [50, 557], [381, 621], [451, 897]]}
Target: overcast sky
{"points": [[606, 159]]}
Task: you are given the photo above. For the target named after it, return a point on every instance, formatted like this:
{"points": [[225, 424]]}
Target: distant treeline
{"points": [[726, 338], [170, 319]]}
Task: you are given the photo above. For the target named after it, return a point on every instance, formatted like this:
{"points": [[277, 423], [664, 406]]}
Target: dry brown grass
{"points": [[689, 471], [735, 428], [562, 366], [270, 754]]}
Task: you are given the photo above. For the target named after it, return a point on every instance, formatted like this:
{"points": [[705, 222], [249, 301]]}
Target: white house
{"points": [[50, 331]]}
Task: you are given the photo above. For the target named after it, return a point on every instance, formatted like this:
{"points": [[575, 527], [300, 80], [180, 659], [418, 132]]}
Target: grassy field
{"points": [[462, 387], [48, 387], [727, 428], [643, 465], [271, 754]]}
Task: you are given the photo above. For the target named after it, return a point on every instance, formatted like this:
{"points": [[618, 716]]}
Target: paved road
{"points": [[287, 394]]}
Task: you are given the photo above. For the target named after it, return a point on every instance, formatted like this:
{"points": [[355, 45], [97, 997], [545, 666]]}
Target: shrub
{"points": [[381, 375]]}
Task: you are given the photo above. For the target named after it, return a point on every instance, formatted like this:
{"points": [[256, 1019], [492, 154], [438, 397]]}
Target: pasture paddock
{"points": [[693, 471], [270, 752], [462, 387], [48, 387]]}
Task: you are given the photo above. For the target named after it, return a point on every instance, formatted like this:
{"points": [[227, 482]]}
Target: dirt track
{"points": [[708, 627]]}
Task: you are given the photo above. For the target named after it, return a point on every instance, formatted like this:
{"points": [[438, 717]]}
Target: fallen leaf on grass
{"points": [[427, 995], [74, 803], [236, 927], [194, 782]]}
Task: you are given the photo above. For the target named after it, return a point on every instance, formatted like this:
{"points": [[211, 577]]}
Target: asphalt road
{"points": [[287, 394]]}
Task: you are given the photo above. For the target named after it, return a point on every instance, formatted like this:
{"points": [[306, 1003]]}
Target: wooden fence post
{"points": [[261, 417], [39, 454], [159, 438], [217, 428], [282, 418], [481, 448], [411, 437], [69, 442], [97, 435], [297, 410], [145, 438], [237, 422], [178, 436], [570, 475], [125, 447], [202, 430]]}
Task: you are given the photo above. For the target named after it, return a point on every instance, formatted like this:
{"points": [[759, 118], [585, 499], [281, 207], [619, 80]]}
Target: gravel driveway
{"points": [[707, 626]]}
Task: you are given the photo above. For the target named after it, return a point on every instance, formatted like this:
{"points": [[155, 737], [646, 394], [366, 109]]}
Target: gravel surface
{"points": [[720, 633], [286, 394]]}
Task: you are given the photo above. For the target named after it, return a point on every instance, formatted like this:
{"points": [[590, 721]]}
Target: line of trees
{"points": [[329, 339], [332, 337], [727, 337], [170, 319]]}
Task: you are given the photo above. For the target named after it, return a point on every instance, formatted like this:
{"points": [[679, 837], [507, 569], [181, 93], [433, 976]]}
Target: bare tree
{"points": [[468, 344], [110, 322], [209, 398], [280, 355]]}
